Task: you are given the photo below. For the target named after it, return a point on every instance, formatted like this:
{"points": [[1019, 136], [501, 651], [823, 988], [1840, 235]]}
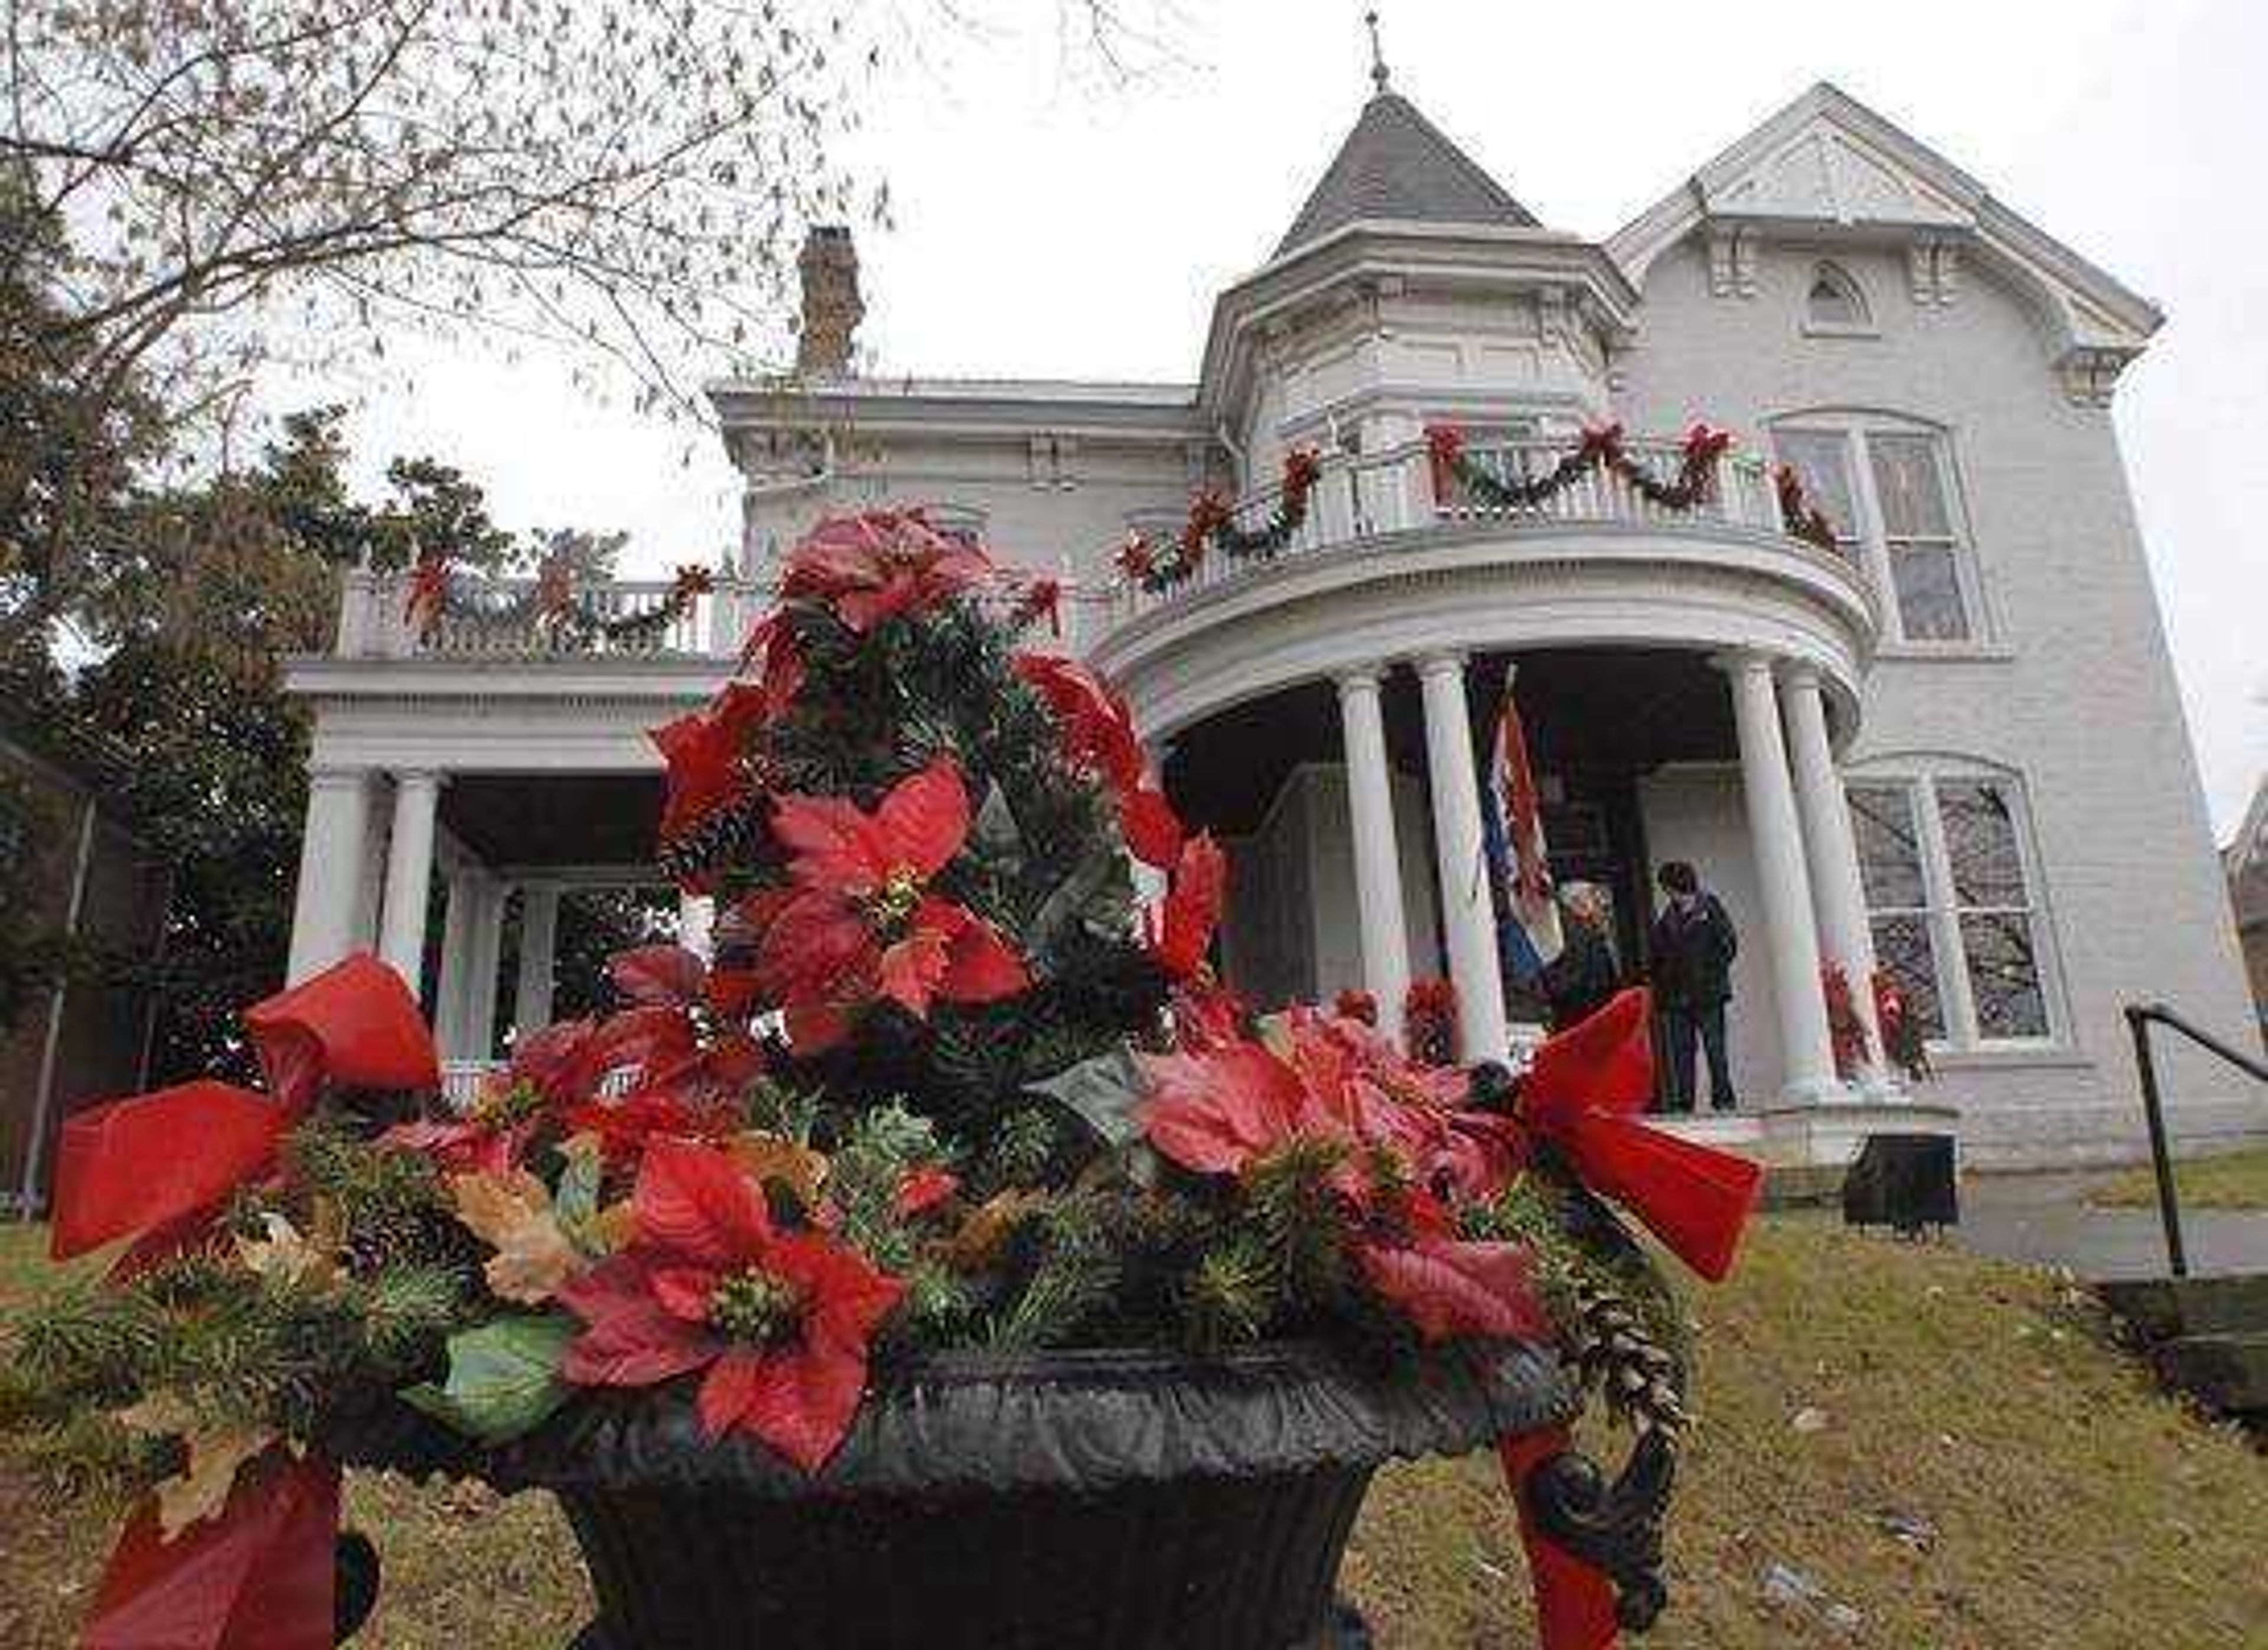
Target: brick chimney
{"points": [[831, 306]]}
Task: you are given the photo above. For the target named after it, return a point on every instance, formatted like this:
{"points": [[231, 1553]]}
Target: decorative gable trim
{"points": [[1826, 169]]}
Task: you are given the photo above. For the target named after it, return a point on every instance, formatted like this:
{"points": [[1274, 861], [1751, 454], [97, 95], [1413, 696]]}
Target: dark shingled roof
{"points": [[1396, 164]]}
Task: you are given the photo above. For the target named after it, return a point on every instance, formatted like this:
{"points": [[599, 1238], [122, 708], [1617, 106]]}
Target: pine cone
{"points": [[1611, 1351]]}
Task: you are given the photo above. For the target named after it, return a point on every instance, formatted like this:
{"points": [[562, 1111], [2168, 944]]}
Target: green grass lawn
{"points": [[2050, 1496], [2238, 1181]]}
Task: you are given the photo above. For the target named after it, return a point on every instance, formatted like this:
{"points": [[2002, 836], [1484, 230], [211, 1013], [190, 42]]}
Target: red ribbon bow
{"points": [[260, 1575], [1585, 1093], [158, 1167]]}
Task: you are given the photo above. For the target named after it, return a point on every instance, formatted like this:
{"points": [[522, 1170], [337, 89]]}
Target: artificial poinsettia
{"points": [[859, 922], [550, 1070], [1180, 932], [1219, 1110], [1098, 736], [869, 569], [704, 753], [1448, 1287], [780, 1320]]}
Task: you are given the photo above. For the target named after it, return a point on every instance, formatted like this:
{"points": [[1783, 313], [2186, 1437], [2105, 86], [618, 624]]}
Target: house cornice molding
{"points": [[962, 409], [1370, 259]]}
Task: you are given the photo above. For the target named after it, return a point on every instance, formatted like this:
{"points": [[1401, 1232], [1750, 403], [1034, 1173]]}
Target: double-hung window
{"points": [[1953, 898], [1887, 489]]}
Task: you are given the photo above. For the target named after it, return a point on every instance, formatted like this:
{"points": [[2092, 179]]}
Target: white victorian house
{"points": [[1951, 745]]}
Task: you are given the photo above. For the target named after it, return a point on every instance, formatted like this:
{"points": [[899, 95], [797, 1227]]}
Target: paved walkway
{"points": [[2045, 1220]]}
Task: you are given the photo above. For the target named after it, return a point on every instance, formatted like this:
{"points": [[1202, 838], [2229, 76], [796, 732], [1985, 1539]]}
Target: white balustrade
{"points": [[500, 618], [1367, 495]]}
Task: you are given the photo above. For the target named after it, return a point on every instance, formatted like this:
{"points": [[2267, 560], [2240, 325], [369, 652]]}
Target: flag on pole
{"points": [[1512, 837]]}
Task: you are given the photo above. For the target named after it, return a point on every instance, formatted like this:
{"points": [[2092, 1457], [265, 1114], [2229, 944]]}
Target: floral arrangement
{"points": [[1803, 519], [945, 1083], [1429, 1021], [1846, 1032], [1902, 1035]]}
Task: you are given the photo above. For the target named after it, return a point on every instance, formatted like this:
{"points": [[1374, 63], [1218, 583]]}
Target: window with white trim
{"points": [[1887, 488], [1953, 897]]}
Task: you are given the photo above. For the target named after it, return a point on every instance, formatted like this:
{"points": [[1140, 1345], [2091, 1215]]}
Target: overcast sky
{"points": [[1052, 224]]}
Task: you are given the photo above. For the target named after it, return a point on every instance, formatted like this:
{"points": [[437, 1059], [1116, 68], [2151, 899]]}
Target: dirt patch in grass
{"points": [[2238, 1181], [1975, 1466]]}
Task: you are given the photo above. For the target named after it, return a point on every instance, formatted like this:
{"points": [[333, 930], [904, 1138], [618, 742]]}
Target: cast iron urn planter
{"points": [[1107, 1499]]}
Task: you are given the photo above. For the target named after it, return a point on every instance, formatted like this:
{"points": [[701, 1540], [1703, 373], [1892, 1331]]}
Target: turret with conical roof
{"points": [[1397, 166]]}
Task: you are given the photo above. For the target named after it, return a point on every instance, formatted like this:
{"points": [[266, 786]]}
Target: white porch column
{"points": [[1838, 895], [539, 937], [1784, 887], [486, 955], [331, 849], [1377, 856], [1468, 910], [409, 873], [696, 923], [450, 992]]}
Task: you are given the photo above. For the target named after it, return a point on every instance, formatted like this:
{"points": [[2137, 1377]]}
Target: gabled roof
{"points": [[1398, 165], [1828, 165]]}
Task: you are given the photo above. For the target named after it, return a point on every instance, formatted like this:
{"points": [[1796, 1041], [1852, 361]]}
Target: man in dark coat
{"points": [[1693, 947]]}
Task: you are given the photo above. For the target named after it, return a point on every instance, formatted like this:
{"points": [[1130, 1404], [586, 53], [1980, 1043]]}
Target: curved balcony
{"points": [[1379, 572]]}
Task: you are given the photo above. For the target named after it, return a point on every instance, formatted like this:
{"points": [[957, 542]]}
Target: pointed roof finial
{"points": [[1377, 52]]}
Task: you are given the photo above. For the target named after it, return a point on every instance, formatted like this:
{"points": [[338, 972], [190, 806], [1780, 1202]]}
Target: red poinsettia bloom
{"points": [[1098, 736], [780, 1320], [1098, 729], [1223, 1109], [869, 569], [1220, 1109], [1448, 1287], [703, 751], [859, 922], [1181, 932]]}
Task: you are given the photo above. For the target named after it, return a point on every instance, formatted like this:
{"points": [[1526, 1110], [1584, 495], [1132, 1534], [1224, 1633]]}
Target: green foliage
{"points": [[503, 1377], [1043, 864], [879, 1148]]}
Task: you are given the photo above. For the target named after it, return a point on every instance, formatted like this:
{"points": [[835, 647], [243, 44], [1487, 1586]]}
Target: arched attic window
{"points": [[1834, 302]]}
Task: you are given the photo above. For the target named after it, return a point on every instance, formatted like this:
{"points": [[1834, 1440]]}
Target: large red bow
{"points": [[1584, 1095], [157, 1166], [259, 1575]]}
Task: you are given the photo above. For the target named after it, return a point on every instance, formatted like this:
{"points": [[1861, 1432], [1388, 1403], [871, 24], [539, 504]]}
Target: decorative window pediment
{"points": [[1835, 303]]}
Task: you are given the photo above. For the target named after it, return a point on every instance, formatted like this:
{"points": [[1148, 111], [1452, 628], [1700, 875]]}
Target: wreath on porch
{"points": [[947, 1086]]}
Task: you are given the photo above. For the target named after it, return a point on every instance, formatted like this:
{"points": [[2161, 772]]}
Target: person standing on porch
{"points": [[1692, 952], [1579, 981]]}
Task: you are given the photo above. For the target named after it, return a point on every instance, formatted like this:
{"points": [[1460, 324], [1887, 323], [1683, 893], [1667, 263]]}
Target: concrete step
{"points": [[2165, 1308], [2227, 1373]]}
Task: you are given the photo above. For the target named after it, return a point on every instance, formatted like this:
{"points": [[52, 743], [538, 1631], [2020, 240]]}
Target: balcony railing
{"points": [[1364, 496], [499, 619]]}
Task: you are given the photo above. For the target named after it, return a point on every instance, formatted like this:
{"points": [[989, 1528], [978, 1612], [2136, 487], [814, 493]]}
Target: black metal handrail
{"points": [[2140, 1018]]}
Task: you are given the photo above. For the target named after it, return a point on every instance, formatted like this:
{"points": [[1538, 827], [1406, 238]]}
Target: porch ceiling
{"points": [[1587, 711], [554, 820]]}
